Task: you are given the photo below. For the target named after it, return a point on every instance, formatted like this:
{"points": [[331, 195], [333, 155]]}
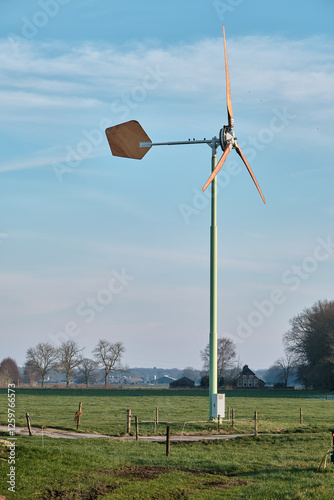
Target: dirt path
{"points": [[58, 433]]}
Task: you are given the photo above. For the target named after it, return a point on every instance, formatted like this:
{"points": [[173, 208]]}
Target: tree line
{"points": [[308, 356], [68, 358]]}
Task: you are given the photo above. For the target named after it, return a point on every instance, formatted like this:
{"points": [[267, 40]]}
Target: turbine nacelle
{"points": [[227, 137]]}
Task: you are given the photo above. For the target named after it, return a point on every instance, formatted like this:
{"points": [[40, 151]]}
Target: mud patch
{"points": [[145, 473], [136, 472], [217, 485], [74, 494], [131, 472]]}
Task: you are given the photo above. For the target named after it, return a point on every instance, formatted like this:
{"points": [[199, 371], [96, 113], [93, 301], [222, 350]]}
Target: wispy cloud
{"points": [[44, 158], [53, 78], [291, 69], [32, 100]]}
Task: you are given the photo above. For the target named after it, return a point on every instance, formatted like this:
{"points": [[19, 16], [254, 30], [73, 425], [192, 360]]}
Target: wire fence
{"points": [[109, 413], [127, 424]]}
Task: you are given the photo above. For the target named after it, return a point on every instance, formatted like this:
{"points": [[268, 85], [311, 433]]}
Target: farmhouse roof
{"points": [[247, 371], [183, 381]]}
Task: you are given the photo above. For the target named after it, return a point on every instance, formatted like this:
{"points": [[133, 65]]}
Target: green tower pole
{"points": [[213, 287]]}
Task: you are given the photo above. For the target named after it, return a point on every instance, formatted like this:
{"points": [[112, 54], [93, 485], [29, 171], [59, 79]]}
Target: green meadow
{"points": [[105, 411], [281, 463]]}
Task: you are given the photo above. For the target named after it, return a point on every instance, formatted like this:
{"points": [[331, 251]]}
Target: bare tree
{"points": [[285, 367], [43, 358], [87, 368], [9, 372], [31, 374], [226, 354], [69, 357], [234, 370], [108, 355]]}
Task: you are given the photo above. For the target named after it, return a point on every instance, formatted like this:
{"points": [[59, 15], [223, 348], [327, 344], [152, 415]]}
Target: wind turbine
{"points": [[129, 140]]}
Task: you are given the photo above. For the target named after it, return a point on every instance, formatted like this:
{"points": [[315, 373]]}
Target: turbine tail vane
{"points": [[124, 140]]}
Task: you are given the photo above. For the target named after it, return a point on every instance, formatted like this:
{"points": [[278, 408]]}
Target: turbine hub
{"points": [[227, 137]]}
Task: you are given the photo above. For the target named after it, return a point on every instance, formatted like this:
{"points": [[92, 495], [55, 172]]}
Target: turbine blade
{"points": [[228, 88], [218, 167], [240, 153]]}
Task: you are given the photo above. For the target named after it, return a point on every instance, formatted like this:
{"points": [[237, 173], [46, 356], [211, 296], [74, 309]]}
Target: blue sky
{"points": [[93, 246]]}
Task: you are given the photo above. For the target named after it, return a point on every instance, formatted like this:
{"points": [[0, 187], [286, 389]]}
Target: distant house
{"points": [[163, 380], [130, 380], [182, 382], [248, 380]]}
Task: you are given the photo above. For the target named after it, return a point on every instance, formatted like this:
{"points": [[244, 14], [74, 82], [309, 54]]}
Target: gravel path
{"points": [[57, 433]]}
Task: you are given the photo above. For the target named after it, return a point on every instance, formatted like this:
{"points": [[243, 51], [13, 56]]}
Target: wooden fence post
{"points": [[28, 424], [157, 415], [77, 416], [228, 413], [137, 428], [218, 423], [233, 418], [128, 422], [255, 424], [80, 413], [301, 415], [168, 441]]}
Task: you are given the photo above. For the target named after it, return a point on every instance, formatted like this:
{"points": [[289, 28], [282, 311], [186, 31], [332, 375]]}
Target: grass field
{"points": [[104, 411], [283, 465]]}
